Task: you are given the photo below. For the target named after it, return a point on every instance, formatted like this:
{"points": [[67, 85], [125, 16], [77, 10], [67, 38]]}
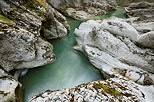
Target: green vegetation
{"points": [[5, 20], [41, 3], [106, 88]]}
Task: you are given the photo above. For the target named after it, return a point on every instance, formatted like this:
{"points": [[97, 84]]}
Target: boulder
{"points": [[20, 48], [10, 89], [112, 46], [114, 89]]}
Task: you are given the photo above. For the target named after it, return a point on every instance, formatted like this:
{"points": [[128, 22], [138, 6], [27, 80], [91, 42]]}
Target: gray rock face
{"points": [[83, 9], [19, 49], [128, 2], [111, 46], [114, 89], [143, 10], [10, 89], [142, 19], [35, 15]]}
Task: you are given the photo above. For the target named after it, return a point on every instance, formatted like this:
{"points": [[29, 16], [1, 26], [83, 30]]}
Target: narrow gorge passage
{"points": [[70, 69]]}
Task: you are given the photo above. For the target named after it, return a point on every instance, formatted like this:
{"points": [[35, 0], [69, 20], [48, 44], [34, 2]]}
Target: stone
{"points": [[10, 90], [112, 46], [126, 3], [114, 89], [20, 48], [147, 40], [35, 16], [83, 9], [143, 10]]}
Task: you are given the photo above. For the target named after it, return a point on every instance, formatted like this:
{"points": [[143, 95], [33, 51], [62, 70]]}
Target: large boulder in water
{"points": [[112, 46]]}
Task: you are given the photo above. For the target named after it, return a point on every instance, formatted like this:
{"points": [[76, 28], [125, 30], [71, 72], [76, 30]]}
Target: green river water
{"points": [[70, 69]]}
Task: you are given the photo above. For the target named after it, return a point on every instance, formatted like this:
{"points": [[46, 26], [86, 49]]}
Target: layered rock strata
{"points": [[112, 46], [35, 15], [20, 48], [83, 9]]}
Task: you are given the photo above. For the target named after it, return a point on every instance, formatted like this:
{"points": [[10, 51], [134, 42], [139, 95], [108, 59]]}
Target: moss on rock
{"points": [[106, 89], [5, 20]]}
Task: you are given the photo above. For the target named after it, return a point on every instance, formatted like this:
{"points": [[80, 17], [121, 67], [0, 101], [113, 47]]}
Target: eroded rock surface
{"points": [[114, 89], [20, 48], [128, 2], [111, 46], [35, 15], [83, 9], [143, 10]]}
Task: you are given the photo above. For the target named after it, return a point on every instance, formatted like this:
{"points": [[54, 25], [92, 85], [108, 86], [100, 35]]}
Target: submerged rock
{"points": [[114, 89], [83, 9], [112, 46]]}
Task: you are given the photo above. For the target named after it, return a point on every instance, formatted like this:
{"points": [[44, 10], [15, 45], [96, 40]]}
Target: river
{"points": [[70, 69]]}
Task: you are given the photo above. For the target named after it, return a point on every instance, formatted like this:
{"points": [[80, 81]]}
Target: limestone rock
{"points": [[143, 10], [32, 15], [111, 46], [20, 48], [124, 3], [10, 90], [114, 89], [147, 39], [142, 19], [83, 9], [3, 72]]}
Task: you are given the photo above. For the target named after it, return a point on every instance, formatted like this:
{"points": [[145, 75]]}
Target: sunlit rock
{"points": [[10, 89], [111, 46], [114, 89]]}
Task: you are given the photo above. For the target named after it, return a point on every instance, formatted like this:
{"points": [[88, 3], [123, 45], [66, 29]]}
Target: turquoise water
{"points": [[120, 13], [70, 69]]}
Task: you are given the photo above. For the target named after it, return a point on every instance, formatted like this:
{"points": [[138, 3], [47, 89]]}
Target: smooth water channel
{"points": [[70, 69]]}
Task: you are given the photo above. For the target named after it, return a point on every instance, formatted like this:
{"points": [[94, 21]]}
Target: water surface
{"points": [[70, 69]]}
